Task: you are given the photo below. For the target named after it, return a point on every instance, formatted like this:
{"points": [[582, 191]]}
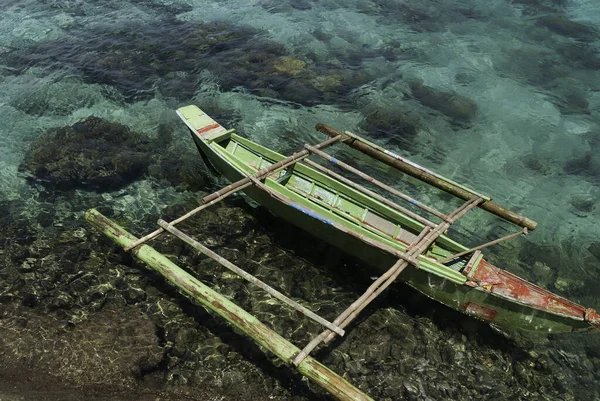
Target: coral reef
{"points": [[98, 155], [169, 57], [389, 122], [92, 154]]}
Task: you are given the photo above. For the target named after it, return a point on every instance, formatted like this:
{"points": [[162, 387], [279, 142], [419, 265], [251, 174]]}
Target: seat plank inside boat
{"points": [[349, 208]]}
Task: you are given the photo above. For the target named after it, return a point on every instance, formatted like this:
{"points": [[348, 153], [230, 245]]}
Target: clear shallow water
{"points": [[533, 143], [486, 52]]}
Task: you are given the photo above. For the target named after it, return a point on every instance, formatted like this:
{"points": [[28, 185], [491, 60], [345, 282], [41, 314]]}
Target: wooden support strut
{"points": [[423, 241], [380, 198], [423, 175], [237, 186], [247, 276], [482, 246], [372, 180], [238, 317]]}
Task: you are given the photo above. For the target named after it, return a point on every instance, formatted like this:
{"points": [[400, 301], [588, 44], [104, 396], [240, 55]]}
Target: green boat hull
{"points": [[511, 303]]}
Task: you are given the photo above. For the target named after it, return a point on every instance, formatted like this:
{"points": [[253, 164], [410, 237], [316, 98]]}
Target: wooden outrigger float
{"points": [[395, 240]]}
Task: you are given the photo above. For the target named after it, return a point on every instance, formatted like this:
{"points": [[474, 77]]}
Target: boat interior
{"points": [[342, 200]]}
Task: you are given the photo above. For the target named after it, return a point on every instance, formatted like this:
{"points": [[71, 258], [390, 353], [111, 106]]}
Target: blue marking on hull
{"points": [[311, 213]]}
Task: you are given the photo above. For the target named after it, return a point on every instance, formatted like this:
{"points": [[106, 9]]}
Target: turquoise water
{"points": [[272, 70]]}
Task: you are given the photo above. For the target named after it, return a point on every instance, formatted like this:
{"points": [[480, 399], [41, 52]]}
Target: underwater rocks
{"points": [[580, 55], [543, 69], [563, 26], [99, 155], [436, 360], [568, 286], [544, 5], [536, 164], [92, 154], [112, 346], [169, 58], [390, 123], [573, 103], [543, 274], [582, 207], [185, 172], [74, 308], [81, 311], [585, 165], [594, 249], [560, 269], [172, 8], [457, 107], [423, 16]]}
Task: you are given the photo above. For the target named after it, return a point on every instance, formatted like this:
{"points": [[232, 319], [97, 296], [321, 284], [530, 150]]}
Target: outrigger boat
{"points": [[393, 239], [337, 211]]}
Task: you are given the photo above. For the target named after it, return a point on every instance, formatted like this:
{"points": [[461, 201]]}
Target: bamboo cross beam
{"points": [[247, 276], [418, 247], [363, 300], [422, 242], [372, 180], [482, 246], [419, 238], [426, 176], [237, 186], [462, 210], [238, 317], [313, 214], [367, 191]]}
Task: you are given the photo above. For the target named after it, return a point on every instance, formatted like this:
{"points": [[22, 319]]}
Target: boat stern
{"points": [[537, 309]]}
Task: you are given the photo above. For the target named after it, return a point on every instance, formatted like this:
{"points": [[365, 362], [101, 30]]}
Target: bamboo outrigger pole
{"points": [[426, 176], [247, 276], [231, 312], [423, 241], [236, 186]]}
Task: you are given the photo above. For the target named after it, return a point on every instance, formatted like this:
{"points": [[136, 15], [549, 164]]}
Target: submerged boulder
{"points": [[594, 249], [453, 105], [389, 122], [99, 155], [91, 154], [584, 165], [580, 55]]}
